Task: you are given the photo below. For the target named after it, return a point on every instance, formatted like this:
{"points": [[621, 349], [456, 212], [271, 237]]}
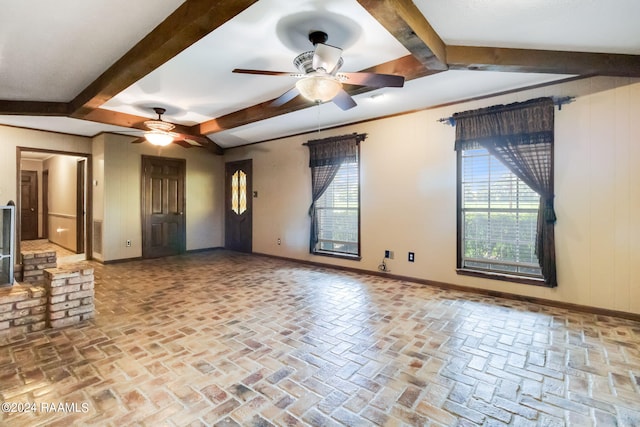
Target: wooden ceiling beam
{"points": [[213, 147], [109, 117], [542, 61], [33, 108], [409, 26], [190, 22]]}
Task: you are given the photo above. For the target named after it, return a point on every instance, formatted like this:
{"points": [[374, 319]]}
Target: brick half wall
{"points": [[70, 291], [23, 308], [65, 298]]}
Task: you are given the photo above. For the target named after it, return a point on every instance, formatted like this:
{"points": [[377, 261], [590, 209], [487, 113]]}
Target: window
{"points": [[338, 213], [498, 217]]}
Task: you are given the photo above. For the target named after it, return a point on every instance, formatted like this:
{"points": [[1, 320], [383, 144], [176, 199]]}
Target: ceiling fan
{"points": [[319, 77], [160, 133]]}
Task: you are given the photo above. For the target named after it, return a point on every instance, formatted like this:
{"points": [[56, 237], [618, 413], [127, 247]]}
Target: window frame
{"points": [[346, 255], [467, 271]]}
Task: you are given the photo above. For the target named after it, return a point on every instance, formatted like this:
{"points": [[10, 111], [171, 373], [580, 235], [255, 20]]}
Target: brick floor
{"points": [[225, 339], [44, 245]]}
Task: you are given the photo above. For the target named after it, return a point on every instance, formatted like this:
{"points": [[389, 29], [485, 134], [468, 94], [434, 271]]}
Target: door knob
{"points": [[32, 210]]}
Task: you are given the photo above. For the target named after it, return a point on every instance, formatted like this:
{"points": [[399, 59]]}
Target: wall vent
{"points": [[97, 237]]}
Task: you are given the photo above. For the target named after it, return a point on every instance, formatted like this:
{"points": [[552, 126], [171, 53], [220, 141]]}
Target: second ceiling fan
{"points": [[161, 133], [320, 79]]}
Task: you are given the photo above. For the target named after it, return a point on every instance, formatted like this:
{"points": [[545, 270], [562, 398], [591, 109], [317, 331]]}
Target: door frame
{"points": [[143, 200], [81, 166], [45, 203], [36, 189], [88, 219]]}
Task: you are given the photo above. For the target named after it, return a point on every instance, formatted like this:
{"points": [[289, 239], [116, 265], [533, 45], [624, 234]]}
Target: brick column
{"points": [[22, 308], [70, 291], [34, 263]]}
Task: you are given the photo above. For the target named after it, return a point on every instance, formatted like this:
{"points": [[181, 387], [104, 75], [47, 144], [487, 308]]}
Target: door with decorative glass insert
{"points": [[238, 206]]}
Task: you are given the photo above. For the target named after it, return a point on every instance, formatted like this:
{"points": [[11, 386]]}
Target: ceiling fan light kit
{"points": [[160, 131], [158, 138], [319, 88]]}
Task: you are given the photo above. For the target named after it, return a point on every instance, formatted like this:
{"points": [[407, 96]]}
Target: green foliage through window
{"points": [[499, 214], [337, 213]]}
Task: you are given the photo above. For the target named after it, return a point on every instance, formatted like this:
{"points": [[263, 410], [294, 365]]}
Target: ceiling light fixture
{"points": [[158, 138], [319, 87], [160, 131]]}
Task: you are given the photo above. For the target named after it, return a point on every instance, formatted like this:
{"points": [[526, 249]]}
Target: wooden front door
{"points": [[238, 206], [163, 207], [29, 205]]}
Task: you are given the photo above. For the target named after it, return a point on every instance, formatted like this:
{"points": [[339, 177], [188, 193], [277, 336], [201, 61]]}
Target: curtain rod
{"points": [[354, 135], [559, 101]]}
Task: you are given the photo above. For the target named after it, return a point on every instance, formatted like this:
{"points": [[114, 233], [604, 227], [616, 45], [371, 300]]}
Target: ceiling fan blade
{"points": [[184, 143], [139, 140], [285, 97], [262, 72], [326, 57], [191, 140], [372, 79], [344, 100]]}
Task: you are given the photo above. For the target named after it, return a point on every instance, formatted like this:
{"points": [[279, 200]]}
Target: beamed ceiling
{"points": [[101, 65]]}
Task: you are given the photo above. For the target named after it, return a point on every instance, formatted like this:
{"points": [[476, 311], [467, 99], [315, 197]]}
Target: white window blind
{"points": [[498, 217], [337, 213]]}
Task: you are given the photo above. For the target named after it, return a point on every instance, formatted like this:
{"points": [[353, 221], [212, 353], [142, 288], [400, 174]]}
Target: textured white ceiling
{"points": [[609, 26], [51, 51]]}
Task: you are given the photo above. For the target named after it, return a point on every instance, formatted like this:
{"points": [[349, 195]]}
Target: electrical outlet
{"points": [[279, 241], [412, 257], [388, 254], [128, 243]]}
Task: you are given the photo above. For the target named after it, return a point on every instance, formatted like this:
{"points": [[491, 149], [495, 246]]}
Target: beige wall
{"points": [[118, 170], [62, 200], [408, 194], [116, 186], [97, 187], [12, 137]]}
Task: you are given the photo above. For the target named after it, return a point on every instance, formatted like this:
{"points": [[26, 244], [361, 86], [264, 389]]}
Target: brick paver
{"points": [[218, 338]]}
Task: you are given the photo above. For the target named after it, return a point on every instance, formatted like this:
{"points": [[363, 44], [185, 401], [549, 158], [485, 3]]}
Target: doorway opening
{"points": [[53, 203]]}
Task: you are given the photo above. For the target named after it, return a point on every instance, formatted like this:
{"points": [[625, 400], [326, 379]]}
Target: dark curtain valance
{"points": [[529, 122], [334, 150], [520, 135]]}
